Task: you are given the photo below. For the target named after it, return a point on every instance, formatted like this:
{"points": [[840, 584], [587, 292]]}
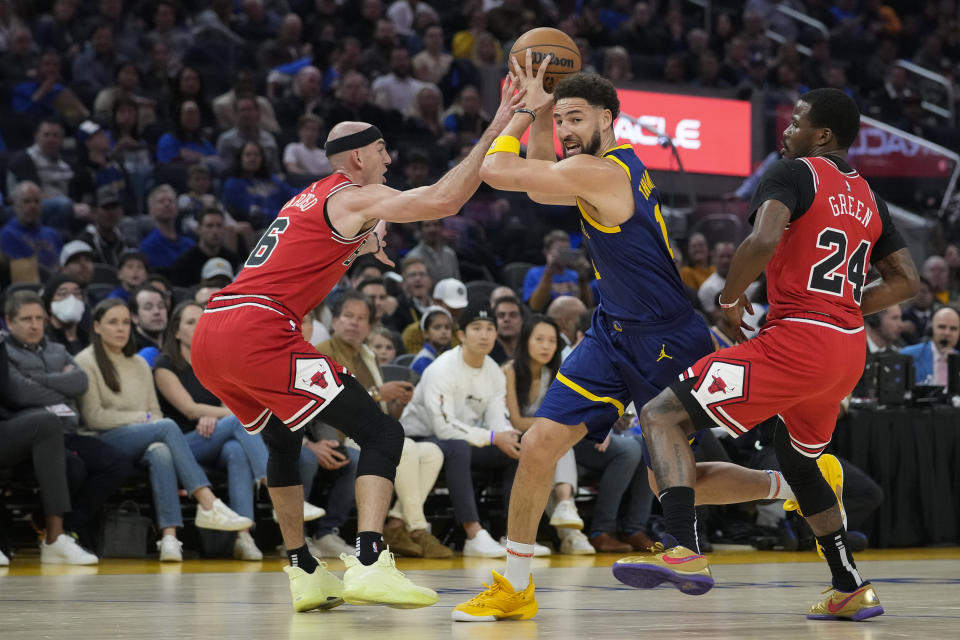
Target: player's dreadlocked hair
{"points": [[835, 110], [596, 90]]}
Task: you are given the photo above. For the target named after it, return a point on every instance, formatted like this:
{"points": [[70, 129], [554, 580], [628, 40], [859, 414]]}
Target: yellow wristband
{"points": [[508, 144]]}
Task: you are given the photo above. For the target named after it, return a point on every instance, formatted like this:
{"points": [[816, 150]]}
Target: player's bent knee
{"points": [[283, 464], [381, 445], [545, 442]]}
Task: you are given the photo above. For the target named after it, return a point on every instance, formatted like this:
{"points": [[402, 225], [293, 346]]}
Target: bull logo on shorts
{"points": [[319, 379], [717, 386]]}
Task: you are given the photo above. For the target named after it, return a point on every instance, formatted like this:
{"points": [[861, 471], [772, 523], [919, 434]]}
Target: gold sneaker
{"points": [[498, 602], [687, 570], [840, 605], [382, 583], [833, 473], [318, 590]]}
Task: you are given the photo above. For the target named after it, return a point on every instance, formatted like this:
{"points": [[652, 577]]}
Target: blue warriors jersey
{"points": [[633, 261]]}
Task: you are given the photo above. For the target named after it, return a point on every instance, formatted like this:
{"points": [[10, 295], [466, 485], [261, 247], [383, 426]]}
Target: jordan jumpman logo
{"points": [[663, 353]]}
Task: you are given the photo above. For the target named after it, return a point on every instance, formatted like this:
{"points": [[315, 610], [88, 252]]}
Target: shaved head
{"points": [[341, 130]]}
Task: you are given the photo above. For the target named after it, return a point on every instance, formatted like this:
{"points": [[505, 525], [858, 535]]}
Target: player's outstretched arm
{"points": [[899, 282], [446, 196]]}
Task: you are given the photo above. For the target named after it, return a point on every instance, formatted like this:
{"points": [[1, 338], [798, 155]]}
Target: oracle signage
{"points": [[882, 151], [711, 135]]}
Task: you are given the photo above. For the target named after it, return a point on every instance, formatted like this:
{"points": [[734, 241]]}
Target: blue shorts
{"points": [[619, 361]]}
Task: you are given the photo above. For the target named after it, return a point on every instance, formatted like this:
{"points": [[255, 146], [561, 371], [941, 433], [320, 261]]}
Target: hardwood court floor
{"points": [[758, 595]]}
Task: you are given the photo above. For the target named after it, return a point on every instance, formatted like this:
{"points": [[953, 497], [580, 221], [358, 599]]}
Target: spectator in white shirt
{"points": [[460, 404], [397, 89], [305, 157]]}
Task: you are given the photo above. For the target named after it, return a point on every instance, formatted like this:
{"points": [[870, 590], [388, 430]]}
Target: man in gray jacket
{"points": [[43, 387]]}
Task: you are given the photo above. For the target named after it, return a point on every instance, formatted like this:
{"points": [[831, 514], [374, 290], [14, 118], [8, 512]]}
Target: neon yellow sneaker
{"points": [[687, 570], [318, 590], [840, 605], [382, 583], [833, 473], [498, 602]]}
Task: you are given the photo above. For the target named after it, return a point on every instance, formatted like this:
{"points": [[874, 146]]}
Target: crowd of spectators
{"points": [[145, 145]]}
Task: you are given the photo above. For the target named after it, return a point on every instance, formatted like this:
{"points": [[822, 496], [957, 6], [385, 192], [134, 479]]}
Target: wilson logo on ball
{"points": [[566, 63]]}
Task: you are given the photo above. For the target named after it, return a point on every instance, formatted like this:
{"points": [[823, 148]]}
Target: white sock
{"points": [[519, 561], [779, 489]]}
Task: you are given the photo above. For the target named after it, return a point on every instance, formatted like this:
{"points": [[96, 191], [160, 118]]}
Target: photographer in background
{"points": [[566, 273]]}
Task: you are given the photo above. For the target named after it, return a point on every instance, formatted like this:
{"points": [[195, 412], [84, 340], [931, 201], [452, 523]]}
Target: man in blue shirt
{"points": [[565, 274], [26, 243], [164, 245]]}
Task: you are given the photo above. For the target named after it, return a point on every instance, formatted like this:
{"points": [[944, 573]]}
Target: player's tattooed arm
{"points": [[899, 282]]}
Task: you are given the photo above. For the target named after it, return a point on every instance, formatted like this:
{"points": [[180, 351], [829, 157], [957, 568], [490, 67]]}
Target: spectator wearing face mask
{"points": [[68, 322]]}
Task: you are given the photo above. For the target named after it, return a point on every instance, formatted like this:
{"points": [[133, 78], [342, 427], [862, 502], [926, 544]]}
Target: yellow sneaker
{"points": [[382, 583], [318, 590], [686, 570], [833, 473], [498, 602], [839, 605]]}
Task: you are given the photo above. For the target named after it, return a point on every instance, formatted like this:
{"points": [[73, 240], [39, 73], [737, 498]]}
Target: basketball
{"points": [[544, 41]]}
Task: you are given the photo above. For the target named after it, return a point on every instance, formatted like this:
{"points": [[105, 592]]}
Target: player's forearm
{"points": [[899, 282], [748, 263], [458, 184], [540, 144]]}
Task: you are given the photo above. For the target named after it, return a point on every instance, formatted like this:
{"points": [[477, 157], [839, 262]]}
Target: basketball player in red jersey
{"points": [[818, 228], [248, 349]]}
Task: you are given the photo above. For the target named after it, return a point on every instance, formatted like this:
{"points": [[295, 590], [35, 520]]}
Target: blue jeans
{"points": [[244, 456], [341, 494], [161, 446], [617, 465]]}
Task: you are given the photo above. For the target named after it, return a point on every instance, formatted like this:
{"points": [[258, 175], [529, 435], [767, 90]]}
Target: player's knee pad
{"points": [[381, 445], [283, 465], [803, 475]]}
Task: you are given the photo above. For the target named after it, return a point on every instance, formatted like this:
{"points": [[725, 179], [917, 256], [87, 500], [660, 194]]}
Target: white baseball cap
{"points": [[451, 292], [216, 267], [74, 248]]}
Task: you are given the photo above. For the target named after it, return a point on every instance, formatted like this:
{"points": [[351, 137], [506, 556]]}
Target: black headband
{"points": [[353, 141]]}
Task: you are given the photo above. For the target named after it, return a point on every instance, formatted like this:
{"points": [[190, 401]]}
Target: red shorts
{"points": [[799, 368], [249, 352]]}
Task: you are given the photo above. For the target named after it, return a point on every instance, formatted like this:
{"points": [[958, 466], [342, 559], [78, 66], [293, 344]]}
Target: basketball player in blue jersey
{"points": [[643, 333]]}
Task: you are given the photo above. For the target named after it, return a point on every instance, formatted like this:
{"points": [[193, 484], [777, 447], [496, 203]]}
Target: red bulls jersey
{"points": [[820, 266], [300, 257]]}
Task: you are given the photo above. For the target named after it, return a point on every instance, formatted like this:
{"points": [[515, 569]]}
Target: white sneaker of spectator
{"points": [[565, 515], [330, 545], [538, 549], [483, 546], [4, 560], [244, 548], [575, 543], [65, 550], [171, 549], [310, 512], [221, 517]]}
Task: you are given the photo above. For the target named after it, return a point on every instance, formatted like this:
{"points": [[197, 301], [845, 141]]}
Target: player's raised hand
{"points": [[511, 97], [536, 97]]}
